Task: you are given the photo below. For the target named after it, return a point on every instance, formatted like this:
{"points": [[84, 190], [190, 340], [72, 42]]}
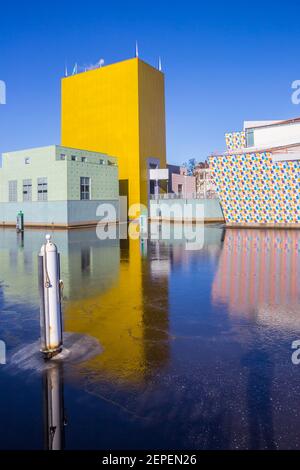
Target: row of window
{"points": [[42, 189], [63, 157]]}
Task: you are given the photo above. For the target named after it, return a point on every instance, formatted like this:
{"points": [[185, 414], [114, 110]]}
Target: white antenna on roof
{"points": [[66, 70], [159, 64], [101, 62], [136, 49], [75, 69]]}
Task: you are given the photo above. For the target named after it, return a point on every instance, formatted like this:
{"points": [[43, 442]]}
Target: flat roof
{"points": [[259, 124], [58, 146], [260, 150]]}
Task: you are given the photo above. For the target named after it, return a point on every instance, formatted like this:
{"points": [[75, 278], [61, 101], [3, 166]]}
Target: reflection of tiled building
{"points": [[259, 182], [258, 275]]}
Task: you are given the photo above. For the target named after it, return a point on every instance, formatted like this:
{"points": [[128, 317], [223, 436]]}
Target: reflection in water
{"points": [[111, 292], [258, 275], [81, 253], [258, 280], [20, 239], [130, 318], [260, 377], [177, 371], [86, 260], [54, 414]]}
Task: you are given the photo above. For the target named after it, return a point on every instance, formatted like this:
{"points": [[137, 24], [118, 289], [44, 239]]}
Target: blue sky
{"points": [[225, 62]]}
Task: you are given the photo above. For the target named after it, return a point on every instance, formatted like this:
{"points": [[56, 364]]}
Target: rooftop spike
{"points": [[159, 64]]}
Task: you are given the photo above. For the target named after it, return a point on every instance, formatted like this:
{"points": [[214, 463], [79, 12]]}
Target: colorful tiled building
{"points": [[258, 177]]}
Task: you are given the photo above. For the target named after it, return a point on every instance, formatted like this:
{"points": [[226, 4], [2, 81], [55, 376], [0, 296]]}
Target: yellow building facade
{"points": [[119, 109]]}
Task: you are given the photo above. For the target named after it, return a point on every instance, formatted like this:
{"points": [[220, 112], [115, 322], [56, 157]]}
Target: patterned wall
{"points": [[249, 278], [235, 140], [253, 189]]}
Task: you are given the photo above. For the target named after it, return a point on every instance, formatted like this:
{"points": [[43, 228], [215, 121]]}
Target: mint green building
{"points": [[57, 186]]}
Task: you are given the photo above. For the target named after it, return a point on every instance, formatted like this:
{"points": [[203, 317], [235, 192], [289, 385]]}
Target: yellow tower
{"points": [[119, 109]]}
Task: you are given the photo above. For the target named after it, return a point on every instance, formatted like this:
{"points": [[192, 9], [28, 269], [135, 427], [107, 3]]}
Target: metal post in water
{"points": [[54, 408], [20, 222], [50, 299]]}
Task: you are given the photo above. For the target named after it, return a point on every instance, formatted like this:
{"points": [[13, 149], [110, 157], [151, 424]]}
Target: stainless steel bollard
{"points": [[50, 299]]}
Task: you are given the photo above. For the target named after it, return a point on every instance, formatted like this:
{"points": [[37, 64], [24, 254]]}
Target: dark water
{"points": [[196, 343]]}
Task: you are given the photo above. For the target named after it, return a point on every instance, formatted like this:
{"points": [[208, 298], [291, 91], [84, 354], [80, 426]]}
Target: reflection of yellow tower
{"points": [[122, 323], [118, 109]]}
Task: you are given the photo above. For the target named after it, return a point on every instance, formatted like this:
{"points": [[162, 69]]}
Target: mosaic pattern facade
{"points": [[235, 140]]}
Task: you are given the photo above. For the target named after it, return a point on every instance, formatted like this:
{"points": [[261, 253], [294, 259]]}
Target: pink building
{"points": [[180, 183]]}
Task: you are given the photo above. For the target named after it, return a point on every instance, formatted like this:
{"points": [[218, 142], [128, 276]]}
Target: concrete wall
{"points": [[80, 212], [195, 209], [43, 213], [56, 213]]}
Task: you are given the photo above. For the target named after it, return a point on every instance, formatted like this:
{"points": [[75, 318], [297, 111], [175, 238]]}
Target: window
{"points": [[101, 162], [27, 190], [27, 161], [250, 138], [180, 189], [13, 191], [85, 188], [73, 158], [62, 157], [42, 189], [83, 159]]}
